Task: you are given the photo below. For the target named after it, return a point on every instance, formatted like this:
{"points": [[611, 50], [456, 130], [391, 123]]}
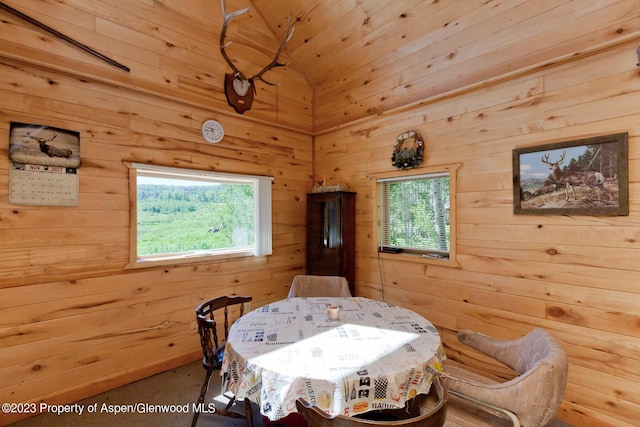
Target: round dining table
{"points": [[367, 355]]}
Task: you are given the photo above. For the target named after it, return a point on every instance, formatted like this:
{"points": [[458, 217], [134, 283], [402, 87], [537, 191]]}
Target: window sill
{"points": [[170, 261], [419, 258]]}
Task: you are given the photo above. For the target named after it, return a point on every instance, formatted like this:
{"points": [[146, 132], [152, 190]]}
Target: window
{"points": [[181, 214], [417, 215]]}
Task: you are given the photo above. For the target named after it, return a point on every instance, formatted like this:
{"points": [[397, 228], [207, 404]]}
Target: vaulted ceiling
{"points": [[365, 57], [337, 37], [348, 59]]}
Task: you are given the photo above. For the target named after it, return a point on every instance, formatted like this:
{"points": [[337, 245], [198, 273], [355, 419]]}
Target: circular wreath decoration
{"points": [[407, 151]]}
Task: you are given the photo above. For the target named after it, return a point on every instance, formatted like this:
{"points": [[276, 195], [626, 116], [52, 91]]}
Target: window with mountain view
{"points": [[185, 214]]}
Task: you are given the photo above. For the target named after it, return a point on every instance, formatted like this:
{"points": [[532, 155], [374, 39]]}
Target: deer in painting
{"points": [[592, 179], [237, 87]]}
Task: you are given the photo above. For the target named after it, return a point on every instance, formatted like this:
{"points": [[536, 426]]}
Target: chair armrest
{"points": [[488, 407], [477, 388]]}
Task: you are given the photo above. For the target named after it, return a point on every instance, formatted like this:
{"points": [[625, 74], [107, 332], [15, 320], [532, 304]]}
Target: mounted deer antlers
{"points": [[236, 85]]}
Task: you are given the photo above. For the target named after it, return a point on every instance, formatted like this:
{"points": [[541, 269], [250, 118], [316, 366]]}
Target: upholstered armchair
{"points": [[531, 399]]}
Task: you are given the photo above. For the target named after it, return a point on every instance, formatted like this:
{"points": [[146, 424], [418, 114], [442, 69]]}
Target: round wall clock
{"points": [[407, 151], [212, 131]]}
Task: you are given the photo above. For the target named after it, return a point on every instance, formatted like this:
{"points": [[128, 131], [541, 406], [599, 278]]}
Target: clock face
{"points": [[212, 131]]}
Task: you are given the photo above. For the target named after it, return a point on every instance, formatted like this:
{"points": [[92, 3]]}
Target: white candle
{"points": [[333, 312]]}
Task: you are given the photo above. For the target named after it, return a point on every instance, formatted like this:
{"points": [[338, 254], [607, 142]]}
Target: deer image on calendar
{"points": [[34, 144], [51, 150]]}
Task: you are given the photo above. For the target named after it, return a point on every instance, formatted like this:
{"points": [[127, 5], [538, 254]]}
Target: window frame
{"points": [[452, 171], [263, 228]]}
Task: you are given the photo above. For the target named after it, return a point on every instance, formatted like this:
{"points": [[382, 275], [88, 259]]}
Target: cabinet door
{"points": [[324, 238]]}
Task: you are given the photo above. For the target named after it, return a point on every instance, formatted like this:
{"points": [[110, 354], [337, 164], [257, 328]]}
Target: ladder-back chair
{"points": [[210, 315]]}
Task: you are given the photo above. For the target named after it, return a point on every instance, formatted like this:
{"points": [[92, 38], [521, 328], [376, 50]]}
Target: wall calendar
{"points": [[44, 165]]}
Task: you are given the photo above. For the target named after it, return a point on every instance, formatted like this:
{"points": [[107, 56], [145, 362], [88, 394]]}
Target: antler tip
{"points": [[274, 63]]}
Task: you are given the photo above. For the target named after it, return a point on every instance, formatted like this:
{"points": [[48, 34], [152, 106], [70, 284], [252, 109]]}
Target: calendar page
{"points": [[44, 165], [38, 185]]}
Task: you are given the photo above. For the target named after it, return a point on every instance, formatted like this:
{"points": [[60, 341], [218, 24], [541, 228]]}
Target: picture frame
{"points": [[586, 176]]}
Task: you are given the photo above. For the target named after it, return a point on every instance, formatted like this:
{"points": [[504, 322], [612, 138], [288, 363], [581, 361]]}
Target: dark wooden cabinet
{"points": [[331, 226]]}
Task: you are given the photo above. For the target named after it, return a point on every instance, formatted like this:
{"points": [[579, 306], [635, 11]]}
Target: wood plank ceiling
{"points": [[365, 57], [334, 38]]}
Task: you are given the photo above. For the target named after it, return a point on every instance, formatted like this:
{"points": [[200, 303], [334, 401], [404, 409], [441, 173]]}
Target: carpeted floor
{"points": [[179, 387]]}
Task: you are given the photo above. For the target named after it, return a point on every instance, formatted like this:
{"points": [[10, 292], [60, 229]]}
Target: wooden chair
{"points": [[532, 398], [319, 286], [421, 411], [213, 349]]}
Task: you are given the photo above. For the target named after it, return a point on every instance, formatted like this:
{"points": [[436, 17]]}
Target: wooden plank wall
{"points": [[172, 51], [576, 276], [73, 321], [403, 52]]}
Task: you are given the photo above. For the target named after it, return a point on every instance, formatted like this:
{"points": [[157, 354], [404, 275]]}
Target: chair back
{"points": [[319, 286], [543, 372], [208, 314], [421, 411]]}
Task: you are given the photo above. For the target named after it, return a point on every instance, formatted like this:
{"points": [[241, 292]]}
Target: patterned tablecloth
{"points": [[376, 356]]}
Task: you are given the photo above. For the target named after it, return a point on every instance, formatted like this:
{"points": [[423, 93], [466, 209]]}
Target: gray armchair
{"points": [[531, 399]]}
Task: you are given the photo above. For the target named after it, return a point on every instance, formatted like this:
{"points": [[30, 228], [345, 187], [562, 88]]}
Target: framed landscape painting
{"points": [[580, 177]]}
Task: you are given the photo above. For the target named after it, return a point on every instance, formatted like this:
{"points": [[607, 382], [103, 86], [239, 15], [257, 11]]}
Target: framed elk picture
{"points": [[581, 177]]}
